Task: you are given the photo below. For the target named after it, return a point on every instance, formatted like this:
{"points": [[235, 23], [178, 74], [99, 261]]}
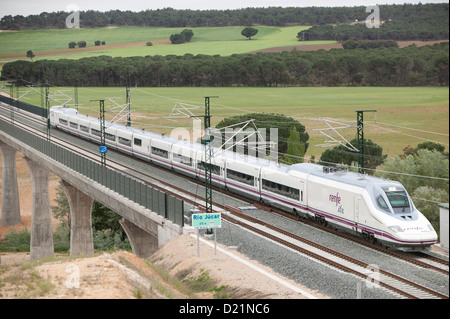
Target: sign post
{"points": [[206, 221]]}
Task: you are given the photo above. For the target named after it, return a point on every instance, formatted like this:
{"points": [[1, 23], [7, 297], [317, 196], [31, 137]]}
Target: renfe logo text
{"points": [[335, 199]]}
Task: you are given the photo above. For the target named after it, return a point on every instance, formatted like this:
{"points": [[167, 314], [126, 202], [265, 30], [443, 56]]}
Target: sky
{"points": [[28, 7]]}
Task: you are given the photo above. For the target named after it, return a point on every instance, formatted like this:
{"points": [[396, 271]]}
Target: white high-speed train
{"points": [[375, 208]]}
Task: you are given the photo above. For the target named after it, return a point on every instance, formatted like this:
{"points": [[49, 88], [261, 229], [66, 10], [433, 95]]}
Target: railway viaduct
{"points": [[150, 217]]}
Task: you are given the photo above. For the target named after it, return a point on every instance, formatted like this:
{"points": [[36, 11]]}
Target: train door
{"points": [[356, 208], [302, 194]]}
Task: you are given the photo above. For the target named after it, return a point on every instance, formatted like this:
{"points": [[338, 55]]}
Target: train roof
{"points": [[339, 175]]}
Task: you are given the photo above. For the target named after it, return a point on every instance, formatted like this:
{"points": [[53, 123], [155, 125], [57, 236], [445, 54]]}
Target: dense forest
{"points": [[384, 66], [405, 22]]}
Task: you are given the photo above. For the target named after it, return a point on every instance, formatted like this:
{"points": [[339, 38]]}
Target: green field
{"points": [[223, 41], [405, 116]]}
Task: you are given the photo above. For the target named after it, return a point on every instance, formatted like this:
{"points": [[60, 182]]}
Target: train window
{"points": [[398, 199], [382, 203], [96, 132], [73, 125], [215, 169], [110, 137], [137, 142], [124, 141], [62, 121], [240, 177], [182, 159], [84, 128], [160, 152], [280, 189]]}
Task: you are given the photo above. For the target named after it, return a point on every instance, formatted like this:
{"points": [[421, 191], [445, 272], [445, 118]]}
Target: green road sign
{"points": [[202, 221]]}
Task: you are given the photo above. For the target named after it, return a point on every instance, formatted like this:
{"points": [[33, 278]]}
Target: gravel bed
{"points": [[314, 275], [429, 278]]}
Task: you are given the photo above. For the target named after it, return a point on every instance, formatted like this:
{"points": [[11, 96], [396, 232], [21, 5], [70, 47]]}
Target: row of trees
{"points": [[398, 30], [83, 44], [410, 66], [275, 16], [369, 44]]}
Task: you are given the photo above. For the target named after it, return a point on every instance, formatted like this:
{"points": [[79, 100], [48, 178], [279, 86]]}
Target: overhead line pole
{"points": [[102, 132], [128, 101], [360, 138], [208, 155]]}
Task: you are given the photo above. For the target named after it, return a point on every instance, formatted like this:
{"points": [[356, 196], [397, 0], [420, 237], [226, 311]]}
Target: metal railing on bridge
{"points": [[151, 198]]}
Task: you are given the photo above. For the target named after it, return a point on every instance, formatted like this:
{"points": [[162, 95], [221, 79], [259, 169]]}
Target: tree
{"points": [[424, 174], [431, 146], [296, 150], [425, 199], [176, 38], [422, 163], [373, 155], [249, 32], [30, 55], [62, 210], [285, 125], [185, 36]]}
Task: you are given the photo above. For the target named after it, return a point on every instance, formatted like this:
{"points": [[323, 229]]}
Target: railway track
{"points": [[425, 261], [336, 259], [313, 250]]}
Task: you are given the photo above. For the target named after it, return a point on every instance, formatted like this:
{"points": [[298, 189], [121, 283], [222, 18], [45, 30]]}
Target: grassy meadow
{"points": [[405, 116]]}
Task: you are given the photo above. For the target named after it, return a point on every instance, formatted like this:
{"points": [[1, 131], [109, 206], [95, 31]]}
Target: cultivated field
{"points": [[131, 41], [405, 116]]}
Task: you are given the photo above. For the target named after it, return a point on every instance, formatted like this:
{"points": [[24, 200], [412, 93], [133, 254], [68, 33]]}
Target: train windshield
{"points": [[397, 197]]}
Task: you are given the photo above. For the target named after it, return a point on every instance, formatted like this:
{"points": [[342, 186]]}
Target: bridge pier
{"points": [[142, 243], [10, 189], [81, 235], [41, 222]]}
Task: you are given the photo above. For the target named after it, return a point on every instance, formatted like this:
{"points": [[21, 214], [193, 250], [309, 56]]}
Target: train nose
{"points": [[424, 237]]}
